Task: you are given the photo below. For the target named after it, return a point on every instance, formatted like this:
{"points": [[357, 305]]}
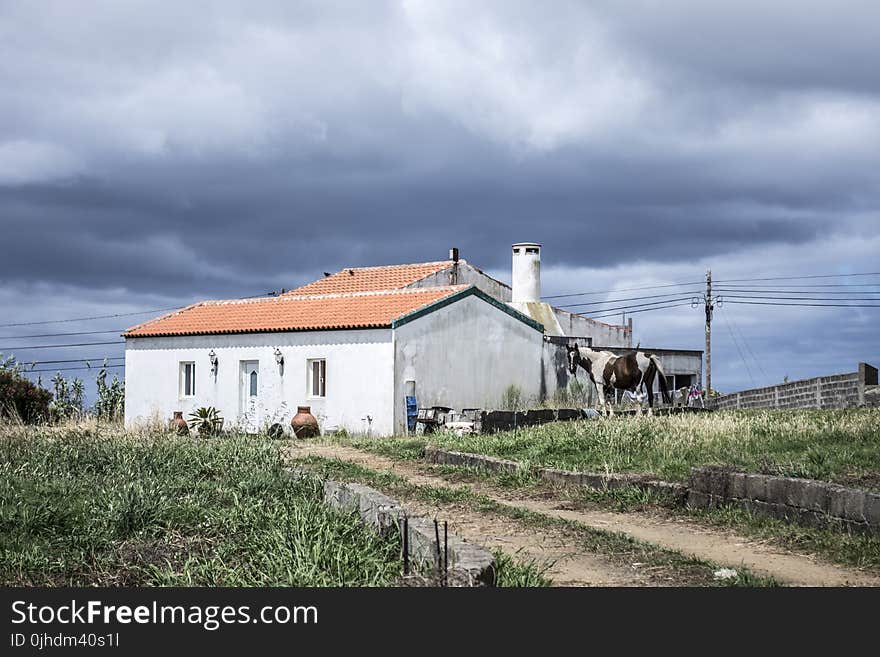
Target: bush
{"points": [[512, 399], [22, 399]]}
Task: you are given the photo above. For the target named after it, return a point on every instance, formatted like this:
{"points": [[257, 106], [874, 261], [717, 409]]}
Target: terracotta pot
{"points": [[178, 424], [304, 423]]}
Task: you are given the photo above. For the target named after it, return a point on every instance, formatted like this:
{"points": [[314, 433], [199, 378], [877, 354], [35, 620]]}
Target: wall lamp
{"points": [[279, 358], [213, 358]]}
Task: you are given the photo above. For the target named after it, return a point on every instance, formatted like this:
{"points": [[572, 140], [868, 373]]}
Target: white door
{"points": [[249, 386]]}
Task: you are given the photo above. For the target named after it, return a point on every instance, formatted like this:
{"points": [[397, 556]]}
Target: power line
{"points": [[271, 293], [625, 289], [55, 335], [747, 296], [819, 305], [82, 319], [58, 346], [797, 278], [70, 360], [644, 310], [807, 285], [736, 344], [745, 342], [766, 291], [639, 305], [648, 296], [73, 369]]}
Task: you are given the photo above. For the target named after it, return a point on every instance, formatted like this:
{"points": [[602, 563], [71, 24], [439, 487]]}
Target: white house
{"points": [[353, 345]]}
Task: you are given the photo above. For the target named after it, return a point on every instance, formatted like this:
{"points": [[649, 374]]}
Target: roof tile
{"points": [[289, 312], [364, 279]]}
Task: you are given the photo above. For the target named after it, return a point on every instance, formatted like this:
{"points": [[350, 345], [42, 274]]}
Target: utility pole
{"points": [[709, 303], [708, 334]]}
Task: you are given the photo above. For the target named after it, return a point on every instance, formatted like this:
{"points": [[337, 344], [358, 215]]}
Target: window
{"points": [[188, 379], [253, 383], [317, 375]]}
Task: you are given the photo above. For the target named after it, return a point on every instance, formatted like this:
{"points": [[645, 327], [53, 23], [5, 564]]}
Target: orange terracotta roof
{"points": [[293, 313], [364, 279]]}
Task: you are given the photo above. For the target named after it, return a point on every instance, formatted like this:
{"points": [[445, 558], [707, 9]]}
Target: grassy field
{"points": [[79, 507], [841, 446]]}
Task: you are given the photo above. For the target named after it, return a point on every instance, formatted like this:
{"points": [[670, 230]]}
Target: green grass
{"points": [[81, 509], [841, 446], [616, 547], [858, 550]]}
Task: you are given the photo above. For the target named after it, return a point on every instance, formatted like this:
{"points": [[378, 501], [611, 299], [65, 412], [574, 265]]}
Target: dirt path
{"points": [[574, 567]]}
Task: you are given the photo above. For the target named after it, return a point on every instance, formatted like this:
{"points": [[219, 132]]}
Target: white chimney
{"points": [[526, 272]]}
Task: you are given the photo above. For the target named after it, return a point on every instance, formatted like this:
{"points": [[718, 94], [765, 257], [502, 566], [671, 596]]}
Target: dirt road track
{"points": [[570, 565]]}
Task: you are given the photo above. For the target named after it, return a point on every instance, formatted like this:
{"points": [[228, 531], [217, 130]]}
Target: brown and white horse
{"points": [[608, 371]]}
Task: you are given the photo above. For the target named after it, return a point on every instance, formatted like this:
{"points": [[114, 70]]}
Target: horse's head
{"points": [[574, 357]]}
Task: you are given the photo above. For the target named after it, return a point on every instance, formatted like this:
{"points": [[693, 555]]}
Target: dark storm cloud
{"points": [[211, 150]]}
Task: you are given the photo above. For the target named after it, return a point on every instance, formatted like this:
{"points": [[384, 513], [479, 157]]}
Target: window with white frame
{"points": [[187, 379], [317, 377]]}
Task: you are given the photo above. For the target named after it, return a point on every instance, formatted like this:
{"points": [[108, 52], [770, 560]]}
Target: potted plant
{"points": [[206, 420]]}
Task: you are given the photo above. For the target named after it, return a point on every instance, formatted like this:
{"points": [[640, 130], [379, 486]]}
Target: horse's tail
{"points": [[664, 388]]}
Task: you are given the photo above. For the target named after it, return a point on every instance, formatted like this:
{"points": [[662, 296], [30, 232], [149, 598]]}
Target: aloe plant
{"points": [[206, 420]]}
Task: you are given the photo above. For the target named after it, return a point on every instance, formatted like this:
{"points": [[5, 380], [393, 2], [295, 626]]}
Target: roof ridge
{"points": [[329, 295]]}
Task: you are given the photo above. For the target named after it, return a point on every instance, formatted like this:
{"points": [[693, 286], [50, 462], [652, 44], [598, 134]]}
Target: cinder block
{"points": [[854, 505], [700, 480], [756, 487], [836, 500], [872, 509], [737, 485], [814, 496], [698, 500]]}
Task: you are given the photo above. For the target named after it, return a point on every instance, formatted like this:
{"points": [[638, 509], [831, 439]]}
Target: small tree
{"points": [[21, 398], [68, 401], [110, 405]]}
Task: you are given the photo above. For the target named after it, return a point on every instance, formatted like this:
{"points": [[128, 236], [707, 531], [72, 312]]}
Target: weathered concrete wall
{"points": [[464, 356], [359, 377], [805, 501], [611, 335], [836, 391], [467, 274]]}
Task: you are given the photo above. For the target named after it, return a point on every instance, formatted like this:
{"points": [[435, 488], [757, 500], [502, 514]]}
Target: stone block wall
{"points": [[805, 501], [835, 391]]}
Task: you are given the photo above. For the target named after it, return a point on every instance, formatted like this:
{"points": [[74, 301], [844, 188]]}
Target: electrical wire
{"points": [[73, 369], [817, 305], [70, 360], [633, 312], [649, 296], [58, 346], [56, 335], [625, 289]]}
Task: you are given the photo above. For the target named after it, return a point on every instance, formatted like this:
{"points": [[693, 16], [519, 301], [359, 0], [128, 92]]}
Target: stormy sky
{"points": [[156, 153]]}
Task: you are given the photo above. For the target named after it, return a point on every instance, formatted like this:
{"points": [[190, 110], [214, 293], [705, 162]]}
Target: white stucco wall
{"points": [[359, 376], [465, 355]]}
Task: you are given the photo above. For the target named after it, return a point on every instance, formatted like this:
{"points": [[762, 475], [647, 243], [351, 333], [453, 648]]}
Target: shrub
{"points": [[512, 399], [68, 402], [110, 405], [21, 398]]}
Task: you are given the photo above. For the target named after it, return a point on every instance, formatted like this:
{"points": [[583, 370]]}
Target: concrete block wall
{"points": [[835, 391], [805, 501]]}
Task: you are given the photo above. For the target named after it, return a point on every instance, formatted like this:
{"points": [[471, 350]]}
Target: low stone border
{"points": [[678, 492], [469, 564], [597, 481], [805, 501]]}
